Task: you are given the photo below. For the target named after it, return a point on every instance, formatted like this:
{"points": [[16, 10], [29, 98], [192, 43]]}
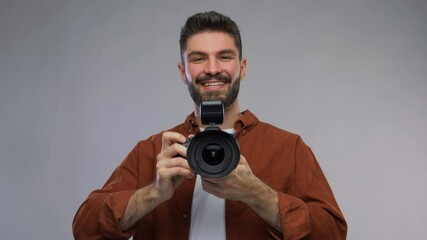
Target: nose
{"points": [[213, 66]]}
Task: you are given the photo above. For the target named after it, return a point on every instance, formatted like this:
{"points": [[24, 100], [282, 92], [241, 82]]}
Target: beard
{"points": [[230, 95]]}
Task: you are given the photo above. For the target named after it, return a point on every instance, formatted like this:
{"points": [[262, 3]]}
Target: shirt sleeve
{"points": [[99, 215], [311, 212]]}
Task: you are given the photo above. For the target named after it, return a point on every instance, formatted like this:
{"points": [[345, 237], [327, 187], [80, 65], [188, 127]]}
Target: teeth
{"points": [[212, 84]]}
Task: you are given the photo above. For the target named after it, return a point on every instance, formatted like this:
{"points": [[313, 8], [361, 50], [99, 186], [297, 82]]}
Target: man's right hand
{"points": [[171, 167]]}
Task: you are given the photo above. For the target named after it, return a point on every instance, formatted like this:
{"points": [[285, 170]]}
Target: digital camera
{"points": [[212, 153]]}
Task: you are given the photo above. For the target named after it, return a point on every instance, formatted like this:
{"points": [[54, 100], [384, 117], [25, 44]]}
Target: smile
{"points": [[213, 84]]}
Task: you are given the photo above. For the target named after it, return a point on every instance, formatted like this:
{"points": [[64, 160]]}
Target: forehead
{"points": [[210, 42]]}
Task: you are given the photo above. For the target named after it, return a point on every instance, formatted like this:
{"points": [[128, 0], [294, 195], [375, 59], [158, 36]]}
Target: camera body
{"points": [[212, 153]]}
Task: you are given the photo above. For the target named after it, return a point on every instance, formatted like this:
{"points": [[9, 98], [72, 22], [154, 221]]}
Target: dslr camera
{"points": [[212, 153]]}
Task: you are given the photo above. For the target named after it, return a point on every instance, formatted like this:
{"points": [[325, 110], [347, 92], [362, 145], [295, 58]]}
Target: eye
{"points": [[197, 59], [226, 57]]}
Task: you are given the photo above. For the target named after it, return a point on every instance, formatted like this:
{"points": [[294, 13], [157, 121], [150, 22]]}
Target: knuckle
{"points": [[159, 173], [159, 157], [176, 147], [162, 173], [164, 135], [158, 168]]}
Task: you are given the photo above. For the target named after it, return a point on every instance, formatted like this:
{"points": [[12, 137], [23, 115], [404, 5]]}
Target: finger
{"points": [[169, 138], [190, 136], [167, 174], [177, 162], [243, 160], [172, 151], [213, 181], [173, 162], [212, 188]]}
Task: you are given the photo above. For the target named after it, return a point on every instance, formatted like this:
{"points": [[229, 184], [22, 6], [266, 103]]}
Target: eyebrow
{"points": [[196, 53], [225, 51], [228, 51]]}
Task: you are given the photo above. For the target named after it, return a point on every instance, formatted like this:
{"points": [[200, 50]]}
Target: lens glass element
{"points": [[213, 154]]}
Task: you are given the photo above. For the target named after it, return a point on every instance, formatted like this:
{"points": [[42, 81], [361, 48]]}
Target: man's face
{"points": [[211, 67]]}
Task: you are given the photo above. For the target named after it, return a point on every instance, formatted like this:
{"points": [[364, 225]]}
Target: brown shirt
{"points": [[307, 207]]}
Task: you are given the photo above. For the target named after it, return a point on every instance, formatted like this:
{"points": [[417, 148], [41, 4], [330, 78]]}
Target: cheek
{"points": [[188, 77], [234, 71], [192, 73]]}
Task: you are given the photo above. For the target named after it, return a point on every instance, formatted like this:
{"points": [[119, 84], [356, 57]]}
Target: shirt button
{"points": [[244, 131], [184, 215]]}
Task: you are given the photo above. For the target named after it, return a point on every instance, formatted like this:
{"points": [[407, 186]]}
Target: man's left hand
{"points": [[238, 185]]}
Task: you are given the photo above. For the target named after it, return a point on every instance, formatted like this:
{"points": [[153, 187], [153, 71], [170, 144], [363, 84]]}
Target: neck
{"points": [[231, 115]]}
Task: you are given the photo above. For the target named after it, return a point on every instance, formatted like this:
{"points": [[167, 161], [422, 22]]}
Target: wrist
{"points": [[147, 198], [259, 194], [141, 202], [152, 195], [264, 201]]}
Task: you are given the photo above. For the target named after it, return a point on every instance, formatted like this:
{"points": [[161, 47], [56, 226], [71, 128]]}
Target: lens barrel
{"points": [[213, 153]]}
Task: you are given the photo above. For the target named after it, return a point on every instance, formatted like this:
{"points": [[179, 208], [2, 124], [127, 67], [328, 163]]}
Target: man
{"points": [[277, 190]]}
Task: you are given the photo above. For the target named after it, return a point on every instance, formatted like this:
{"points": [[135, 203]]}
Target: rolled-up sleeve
{"points": [[309, 210], [100, 214]]}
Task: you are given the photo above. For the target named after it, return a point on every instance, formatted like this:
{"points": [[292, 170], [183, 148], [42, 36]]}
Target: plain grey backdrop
{"points": [[82, 81]]}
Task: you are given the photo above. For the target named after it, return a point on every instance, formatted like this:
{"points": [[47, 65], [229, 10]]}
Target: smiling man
{"points": [[212, 67], [277, 191]]}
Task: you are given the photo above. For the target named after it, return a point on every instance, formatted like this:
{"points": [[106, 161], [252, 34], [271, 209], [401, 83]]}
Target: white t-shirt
{"points": [[207, 213]]}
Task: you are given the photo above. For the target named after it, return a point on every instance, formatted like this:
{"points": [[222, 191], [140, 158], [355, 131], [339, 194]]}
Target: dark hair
{"points": [[209, 21]]}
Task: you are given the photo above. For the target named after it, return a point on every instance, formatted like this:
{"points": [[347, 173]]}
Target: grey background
{"points": [[83, 81]]}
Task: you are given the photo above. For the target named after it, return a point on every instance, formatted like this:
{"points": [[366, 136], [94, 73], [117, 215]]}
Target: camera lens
{"points": [[213, 154]]}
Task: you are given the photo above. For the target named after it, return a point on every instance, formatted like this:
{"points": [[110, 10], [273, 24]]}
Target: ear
{"points": [[243, 68], [181, 69]]}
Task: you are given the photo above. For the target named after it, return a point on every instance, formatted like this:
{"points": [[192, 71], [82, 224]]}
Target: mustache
{"points": [[217, 76]]}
